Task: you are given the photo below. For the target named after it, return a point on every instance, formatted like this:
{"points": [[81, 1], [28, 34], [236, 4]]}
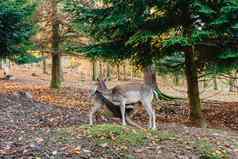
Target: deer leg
{"points": [[123, 109], [131, 122], [154, 119], [151, 113], [94, 109]]}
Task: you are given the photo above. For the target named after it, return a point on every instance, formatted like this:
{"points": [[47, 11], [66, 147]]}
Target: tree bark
{"points": [[44, 67], [132, 72], [94, 75], [118, 72], [124, 72], [215, 83], [150, 76], [205, 83], [1, 63], [108, 71], [44, 64], [176, 79], [56, 74], [56, 78], [192, 88], [150, 79], [236, 82], [61, 71], [232, 85], [233, 82], [100, 70]]}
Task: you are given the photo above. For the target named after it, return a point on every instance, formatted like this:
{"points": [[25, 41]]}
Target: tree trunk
{"points": [[124, 72], [100, 70], [56, 74], [108, 71], [236, 82], [233, 82], [2, 66], [215, 83], [193, 89], [132, 72], [56, 78], [232, 85], [44, 67], [205, 83], [150, 76], [176, 79], [44, 64], [1, 63], [150, 79], [62, 72], [94, 75], [118, 72]]}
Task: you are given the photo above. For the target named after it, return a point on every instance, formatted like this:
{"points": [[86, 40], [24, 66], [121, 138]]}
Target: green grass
{"points": [[159, 136], [116, 134], [63, 135], [208, 151], [123, 138]]}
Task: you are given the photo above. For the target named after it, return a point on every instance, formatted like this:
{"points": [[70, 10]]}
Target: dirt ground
{"points": [[51, 124]]}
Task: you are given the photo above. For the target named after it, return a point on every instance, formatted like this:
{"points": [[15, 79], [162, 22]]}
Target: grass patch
{"points": [[159, 136], [208, 151], [67, 135], [116, 134], [63, 135], [166, 135]]}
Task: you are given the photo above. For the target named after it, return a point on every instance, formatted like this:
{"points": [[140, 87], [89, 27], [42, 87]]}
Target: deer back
{"points": [[131, 92]]}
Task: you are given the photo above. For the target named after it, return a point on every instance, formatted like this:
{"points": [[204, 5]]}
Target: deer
{"points": [[99, 100], [124, 97]]}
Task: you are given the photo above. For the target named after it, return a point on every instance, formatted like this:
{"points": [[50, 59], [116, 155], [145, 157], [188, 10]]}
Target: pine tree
{"points": [[54, 32], [205, 35], [56, 73], [195, 35], [16, 27], [120, 30]]}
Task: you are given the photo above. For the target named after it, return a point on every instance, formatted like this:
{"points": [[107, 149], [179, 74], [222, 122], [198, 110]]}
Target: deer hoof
{"points": [[123, 124]]}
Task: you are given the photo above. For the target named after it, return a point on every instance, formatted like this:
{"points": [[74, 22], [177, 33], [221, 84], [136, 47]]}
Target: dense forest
{"points": [[170, 63]]}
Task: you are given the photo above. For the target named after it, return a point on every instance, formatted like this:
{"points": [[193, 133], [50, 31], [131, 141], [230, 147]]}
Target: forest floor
{"points": [[53, 124]]}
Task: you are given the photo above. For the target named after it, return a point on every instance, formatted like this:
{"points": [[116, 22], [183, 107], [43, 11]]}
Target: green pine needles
{"points": [[16, 27]]}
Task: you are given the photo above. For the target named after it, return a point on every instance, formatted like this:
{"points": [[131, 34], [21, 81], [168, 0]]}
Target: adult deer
{"points": [[124, 95]]}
